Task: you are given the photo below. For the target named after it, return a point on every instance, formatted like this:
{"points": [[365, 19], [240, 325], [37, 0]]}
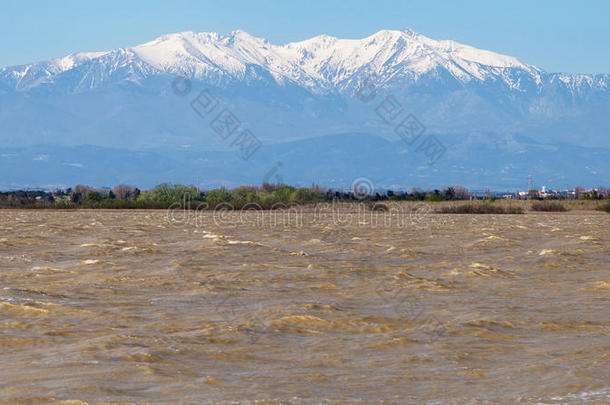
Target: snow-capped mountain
{"points": [[123, 99], [322, 63]]}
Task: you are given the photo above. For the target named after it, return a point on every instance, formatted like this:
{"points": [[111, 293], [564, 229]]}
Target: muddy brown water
{"points": [[142, 307]]}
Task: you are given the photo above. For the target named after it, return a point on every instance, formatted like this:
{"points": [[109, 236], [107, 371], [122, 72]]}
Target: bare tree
{"points": [[418, 193], [79, 193], [126, 192], [461, 193], [104, 192]]}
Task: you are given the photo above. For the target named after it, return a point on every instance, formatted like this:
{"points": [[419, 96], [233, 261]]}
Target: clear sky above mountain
{"points": [[555, 35]]}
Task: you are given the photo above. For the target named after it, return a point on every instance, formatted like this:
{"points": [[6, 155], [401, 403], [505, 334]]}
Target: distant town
{"points": [[576, 193]]}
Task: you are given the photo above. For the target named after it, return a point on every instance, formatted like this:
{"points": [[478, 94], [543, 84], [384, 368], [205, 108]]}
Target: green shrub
{"points": [[284, 194], [64, 204], [217, 196], [168, 192], [267, 200], [435, 196], [93, 197], [305, 195], [243, 196]]}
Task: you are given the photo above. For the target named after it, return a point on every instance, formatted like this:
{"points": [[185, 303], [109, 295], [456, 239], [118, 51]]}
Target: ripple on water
{"points": [[141, 311]]}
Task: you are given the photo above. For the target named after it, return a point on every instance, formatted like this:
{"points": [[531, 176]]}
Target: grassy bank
{"points": [[605, 207], [479, 208], [532, 206], [549, 206]]}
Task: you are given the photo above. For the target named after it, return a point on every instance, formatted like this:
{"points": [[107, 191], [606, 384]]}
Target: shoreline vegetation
{"points": [[451, 200]]}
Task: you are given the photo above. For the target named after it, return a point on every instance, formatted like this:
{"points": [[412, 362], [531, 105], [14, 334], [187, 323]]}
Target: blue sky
{"points": [[558, 35]]}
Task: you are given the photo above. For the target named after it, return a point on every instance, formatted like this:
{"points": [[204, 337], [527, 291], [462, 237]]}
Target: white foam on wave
{"points": [[602, 394], [90, 261]]}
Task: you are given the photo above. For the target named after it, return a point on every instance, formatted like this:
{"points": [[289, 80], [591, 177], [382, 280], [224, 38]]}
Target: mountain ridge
{"points": [[319, 62], [123, 99]]}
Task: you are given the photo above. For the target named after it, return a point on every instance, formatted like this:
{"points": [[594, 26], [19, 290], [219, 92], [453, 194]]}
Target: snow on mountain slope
{"points": [[388, 53], [322, 63], [27, 76], [323, 60], [454, 87]]}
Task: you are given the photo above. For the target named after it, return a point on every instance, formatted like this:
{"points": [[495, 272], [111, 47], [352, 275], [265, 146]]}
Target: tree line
{"points": [[168, 195]]}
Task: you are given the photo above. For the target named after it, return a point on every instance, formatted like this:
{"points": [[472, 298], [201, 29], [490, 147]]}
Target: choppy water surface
{"points": [[125, 307]]}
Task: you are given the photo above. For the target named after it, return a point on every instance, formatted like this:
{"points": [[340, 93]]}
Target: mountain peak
{"points": [[239, 33], [243, 38], [410, 32], [320, 64]]}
